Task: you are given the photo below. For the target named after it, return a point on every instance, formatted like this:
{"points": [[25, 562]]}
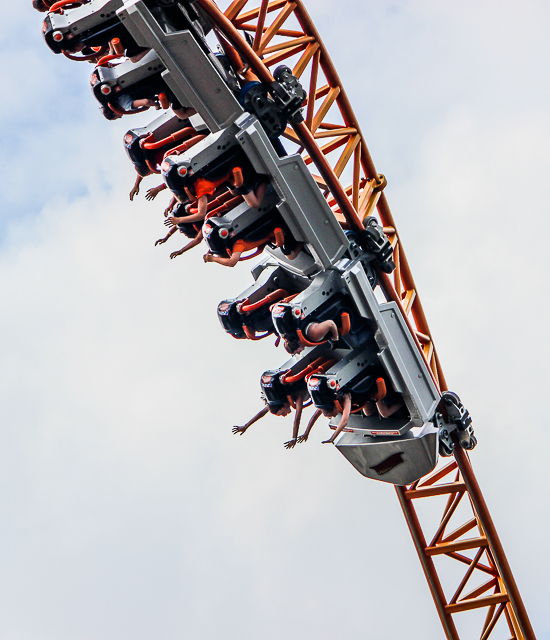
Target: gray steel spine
{"points": [[193, 75], [302, 206], [407, 370]]}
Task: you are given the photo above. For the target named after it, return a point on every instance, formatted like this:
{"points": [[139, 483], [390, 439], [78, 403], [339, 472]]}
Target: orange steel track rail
{"points": [[330, 139]]}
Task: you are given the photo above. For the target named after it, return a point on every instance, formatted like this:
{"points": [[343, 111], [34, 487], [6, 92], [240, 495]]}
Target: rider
{"points": [[192, 231], [280, 399]]}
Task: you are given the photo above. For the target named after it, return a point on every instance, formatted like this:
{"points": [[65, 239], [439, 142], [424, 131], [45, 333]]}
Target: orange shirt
{"points": [[204, 187], [247, 245]]}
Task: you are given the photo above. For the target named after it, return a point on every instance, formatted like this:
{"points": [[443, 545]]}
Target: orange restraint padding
{"points": [[324, 367], [346, 324], [186, 145], [118, 53], [98, 53], [222, 208], [58, 6], [248, 245], [279, 237], [341, 410], [288, 299], [313, 367], [379, 395], [150, 144], [117, 46], [110, 56], [254, 254], [381, 390], [237, 175], [303, 340], [204, 187], [163, 101], [274, 296], [216, 203]]}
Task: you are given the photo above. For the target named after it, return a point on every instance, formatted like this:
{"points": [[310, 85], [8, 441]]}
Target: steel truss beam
{"points": [[471, 541], [330, 138]]}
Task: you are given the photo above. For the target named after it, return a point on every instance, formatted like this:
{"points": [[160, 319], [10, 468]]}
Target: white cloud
{"points": [[129, 509]]}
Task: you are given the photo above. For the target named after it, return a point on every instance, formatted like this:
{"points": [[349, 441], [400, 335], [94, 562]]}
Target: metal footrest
{"points": [[398, 460], [375, 425]]}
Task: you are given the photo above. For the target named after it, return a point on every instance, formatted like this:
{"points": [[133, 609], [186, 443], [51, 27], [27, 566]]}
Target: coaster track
{"points": [[283, 31]]}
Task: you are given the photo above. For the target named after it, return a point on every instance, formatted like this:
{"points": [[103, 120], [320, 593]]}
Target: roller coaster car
{"points": [[279, 394], [249, 314], [325, 299], [403, 446], [355, 374], [293, 375], [301, 204], [96, 23], [212, 158], [189, 229], [143, 144], [250, 227], [135, 80]]}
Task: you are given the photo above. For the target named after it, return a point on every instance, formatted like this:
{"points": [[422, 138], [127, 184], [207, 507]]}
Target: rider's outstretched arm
{"points": [[312, 421], [257, 417], [344, 421]]}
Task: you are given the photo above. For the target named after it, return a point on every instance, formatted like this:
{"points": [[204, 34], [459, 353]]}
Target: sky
{"points": [[129, 510]]}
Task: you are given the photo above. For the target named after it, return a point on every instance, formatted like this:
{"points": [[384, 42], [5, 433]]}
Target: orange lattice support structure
{"points": [[330, 140], [498, 592]]}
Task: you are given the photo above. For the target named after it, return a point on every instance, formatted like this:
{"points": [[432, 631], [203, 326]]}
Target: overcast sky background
{"points": [[128, 509]]}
